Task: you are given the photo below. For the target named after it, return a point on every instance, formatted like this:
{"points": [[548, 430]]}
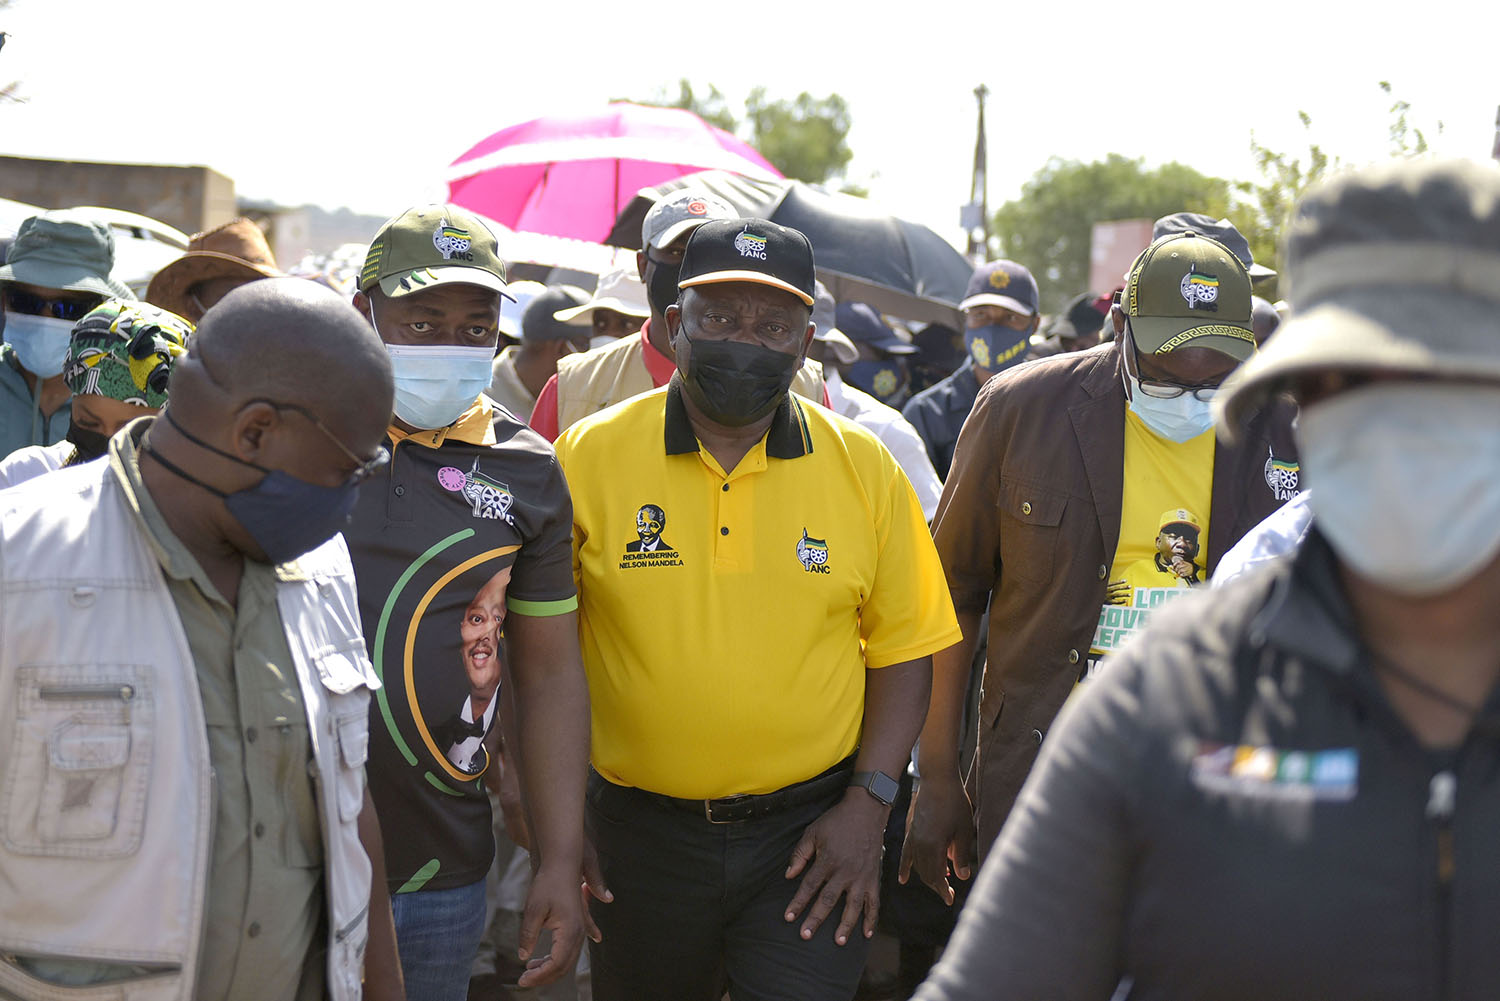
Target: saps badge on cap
{"points": [[750, 250], [1002, 283], [680, 211], [433, 245], [1187, 290]]}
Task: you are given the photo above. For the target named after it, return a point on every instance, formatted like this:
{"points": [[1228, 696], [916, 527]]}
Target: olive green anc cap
{"points": [[1186, 290], [433, 245]]}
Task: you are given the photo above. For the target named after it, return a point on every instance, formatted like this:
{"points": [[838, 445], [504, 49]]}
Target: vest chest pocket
{"points": [[1030, 517], [343, 675], [76, 780]]}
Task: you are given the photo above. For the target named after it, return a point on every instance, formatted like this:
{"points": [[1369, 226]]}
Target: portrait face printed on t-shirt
{"points": [[446, 632], [480, 631], [1177, 551]]}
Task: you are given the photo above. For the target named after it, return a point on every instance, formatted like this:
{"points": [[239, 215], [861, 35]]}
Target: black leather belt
{"points": [[737, 809]]}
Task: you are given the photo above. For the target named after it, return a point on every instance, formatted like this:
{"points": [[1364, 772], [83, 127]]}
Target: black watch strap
{"points": [[877, 784]]}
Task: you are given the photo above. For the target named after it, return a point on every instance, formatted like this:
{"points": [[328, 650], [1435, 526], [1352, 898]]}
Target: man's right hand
{"points": [[939, 831]]}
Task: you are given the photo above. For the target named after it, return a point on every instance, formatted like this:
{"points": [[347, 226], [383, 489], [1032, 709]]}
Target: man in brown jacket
{"points": [[1059, 484]]}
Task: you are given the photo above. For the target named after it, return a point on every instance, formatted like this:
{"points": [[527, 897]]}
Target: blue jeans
{"points": [[437, 934]]}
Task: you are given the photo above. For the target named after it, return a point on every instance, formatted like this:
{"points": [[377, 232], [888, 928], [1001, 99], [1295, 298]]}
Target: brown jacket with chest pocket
{"points": [[1028, 526]]}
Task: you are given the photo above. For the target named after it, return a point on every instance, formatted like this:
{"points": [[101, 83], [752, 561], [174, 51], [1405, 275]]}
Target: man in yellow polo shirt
{"points": [[759, 600]]}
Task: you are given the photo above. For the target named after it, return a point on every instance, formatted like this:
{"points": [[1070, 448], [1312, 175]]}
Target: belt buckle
{"points": [[708, 808]]}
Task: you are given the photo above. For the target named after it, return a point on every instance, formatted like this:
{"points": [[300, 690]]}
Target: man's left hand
{"points": [[839, 856], [553, 903]]}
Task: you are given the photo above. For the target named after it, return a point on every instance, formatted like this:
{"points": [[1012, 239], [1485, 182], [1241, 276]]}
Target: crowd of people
{"points": [[447, 636]]}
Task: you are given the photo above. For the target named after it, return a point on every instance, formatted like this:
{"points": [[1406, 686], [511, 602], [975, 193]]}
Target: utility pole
{"points": [[976, 214], [1495, 151]]}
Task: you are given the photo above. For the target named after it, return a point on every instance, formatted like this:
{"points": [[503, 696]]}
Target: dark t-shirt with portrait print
{"points": [[465, 523]]}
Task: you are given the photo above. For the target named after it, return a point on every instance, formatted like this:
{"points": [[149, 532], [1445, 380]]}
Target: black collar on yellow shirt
{"points": [[787, 438]]}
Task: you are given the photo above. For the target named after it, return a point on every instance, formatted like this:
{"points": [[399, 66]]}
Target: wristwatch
{"points": [[877, 784]]}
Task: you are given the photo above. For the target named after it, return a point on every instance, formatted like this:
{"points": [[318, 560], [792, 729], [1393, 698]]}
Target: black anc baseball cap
{"points": [[749, 250]]}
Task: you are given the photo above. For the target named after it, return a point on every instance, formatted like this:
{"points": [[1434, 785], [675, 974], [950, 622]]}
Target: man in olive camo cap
{"points": [[473, 501], [117, 365], [1059, 480]]}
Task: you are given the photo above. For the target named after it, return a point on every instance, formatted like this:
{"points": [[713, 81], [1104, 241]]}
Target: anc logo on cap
{"points": [[1000, 278], [750, 245], [450, 241], [1201, 290]]}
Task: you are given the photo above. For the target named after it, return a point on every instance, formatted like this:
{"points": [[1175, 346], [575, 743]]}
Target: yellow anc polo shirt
{"points": [[727, 619]]}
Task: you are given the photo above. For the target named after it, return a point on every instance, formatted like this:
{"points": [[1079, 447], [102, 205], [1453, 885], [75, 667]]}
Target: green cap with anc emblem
{"points": [[1186, 290], [433, 245]]}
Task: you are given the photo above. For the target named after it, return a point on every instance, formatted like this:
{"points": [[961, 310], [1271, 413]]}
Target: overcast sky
{"points": [[364, 104]]}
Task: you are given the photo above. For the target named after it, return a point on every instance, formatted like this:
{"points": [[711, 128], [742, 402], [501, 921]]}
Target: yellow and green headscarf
{"points": [[125, 350]]}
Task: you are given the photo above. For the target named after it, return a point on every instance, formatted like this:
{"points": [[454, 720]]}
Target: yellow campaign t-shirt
{"points": [[1163, 532], [727, 619]]}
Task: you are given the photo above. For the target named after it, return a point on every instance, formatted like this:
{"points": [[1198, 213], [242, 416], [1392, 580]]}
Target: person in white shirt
{"points": [[836, 352]]}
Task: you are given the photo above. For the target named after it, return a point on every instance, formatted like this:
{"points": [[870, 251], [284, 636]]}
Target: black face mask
{"points": [[89, 444], [661, 290], [735, 384]]}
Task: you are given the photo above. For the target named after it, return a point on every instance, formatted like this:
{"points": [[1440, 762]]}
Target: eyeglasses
{"points": [[17, 301], [1157, 389], [364, 469]]}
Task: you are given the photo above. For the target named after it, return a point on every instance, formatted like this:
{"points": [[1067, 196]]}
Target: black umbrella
{"points": [[863, 255]]}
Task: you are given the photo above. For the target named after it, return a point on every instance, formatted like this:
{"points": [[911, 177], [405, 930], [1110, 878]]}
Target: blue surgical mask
{"points": [[436, 384], [995, 347], [1181, 418], [40, 342]]}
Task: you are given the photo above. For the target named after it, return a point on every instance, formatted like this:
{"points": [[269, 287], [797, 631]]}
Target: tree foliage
{"points": [[806, 137], [1270, 199], [1050, 227], [1283, 177]]}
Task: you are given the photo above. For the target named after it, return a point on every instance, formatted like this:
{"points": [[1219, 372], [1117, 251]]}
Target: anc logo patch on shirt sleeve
{"points": [[650, 549]]}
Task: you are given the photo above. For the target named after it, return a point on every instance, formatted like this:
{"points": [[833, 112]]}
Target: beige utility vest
{"points": [[104, 694]]}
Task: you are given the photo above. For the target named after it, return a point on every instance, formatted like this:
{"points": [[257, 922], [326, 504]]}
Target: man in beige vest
{"points": [[587, 383]]}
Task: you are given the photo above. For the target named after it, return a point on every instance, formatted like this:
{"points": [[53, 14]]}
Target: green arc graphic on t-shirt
{"points": [[421, 877], [385, 618]]}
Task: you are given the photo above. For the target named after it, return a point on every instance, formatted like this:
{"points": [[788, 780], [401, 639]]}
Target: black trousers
{"points": [[699, 907]]}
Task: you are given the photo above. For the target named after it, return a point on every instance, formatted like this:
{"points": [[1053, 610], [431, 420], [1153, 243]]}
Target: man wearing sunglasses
{"points": [[57, 270], [1059, 482], [184, 692]]}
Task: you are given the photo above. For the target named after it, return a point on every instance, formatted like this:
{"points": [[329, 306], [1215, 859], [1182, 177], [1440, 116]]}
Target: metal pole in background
{"points": [[976, 216], [1495, 151]]}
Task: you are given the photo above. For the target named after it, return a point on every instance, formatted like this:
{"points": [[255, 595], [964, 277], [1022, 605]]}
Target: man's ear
{"points": [[640, 264], [673, 317], [1036, 321], [1117, 318], [362, 303], [247, 435]]}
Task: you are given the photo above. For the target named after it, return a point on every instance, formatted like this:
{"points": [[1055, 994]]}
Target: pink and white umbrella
{"points": [[571, 175]]}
